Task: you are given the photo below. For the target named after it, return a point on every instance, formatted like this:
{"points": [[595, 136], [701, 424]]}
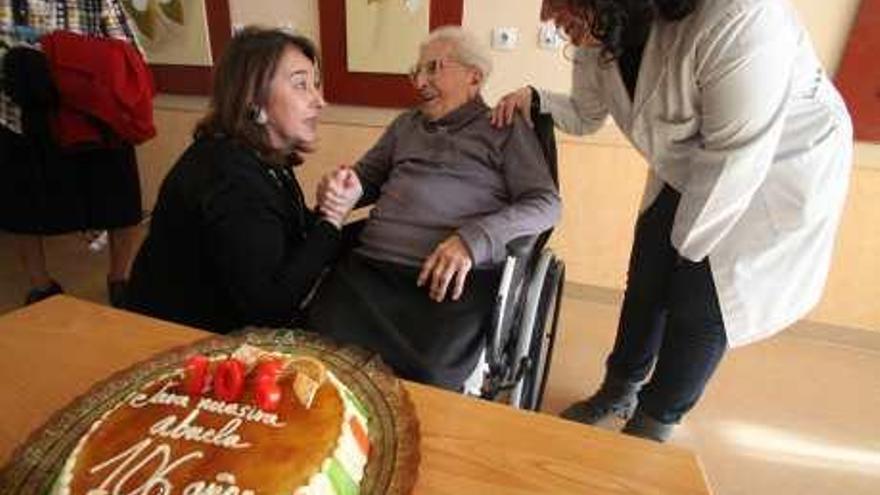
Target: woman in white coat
{"points": [[749, 147]]}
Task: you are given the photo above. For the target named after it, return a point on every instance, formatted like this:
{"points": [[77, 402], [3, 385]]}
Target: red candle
{"points": [[195, 372], [229, 380], [268, 371], [268, 395]]}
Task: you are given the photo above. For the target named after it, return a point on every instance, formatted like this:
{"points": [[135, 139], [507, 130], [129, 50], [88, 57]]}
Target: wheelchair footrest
{"points": [[494, 386]]}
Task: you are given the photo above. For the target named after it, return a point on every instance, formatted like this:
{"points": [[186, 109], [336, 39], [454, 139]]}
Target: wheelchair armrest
{"points": [[521, 247], [519, 253]]}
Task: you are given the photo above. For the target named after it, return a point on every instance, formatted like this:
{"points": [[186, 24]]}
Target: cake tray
{"points": [[392, 467]]}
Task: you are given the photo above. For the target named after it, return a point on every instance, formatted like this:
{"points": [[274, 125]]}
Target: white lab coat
{"points": [[733, 110]]}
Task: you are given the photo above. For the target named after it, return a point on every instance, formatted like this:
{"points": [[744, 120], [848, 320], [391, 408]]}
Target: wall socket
{"points": [[549, 37], [505, 38]]}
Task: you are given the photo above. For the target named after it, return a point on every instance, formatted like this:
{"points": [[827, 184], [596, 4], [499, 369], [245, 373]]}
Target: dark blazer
{"points": [[231, 243]]}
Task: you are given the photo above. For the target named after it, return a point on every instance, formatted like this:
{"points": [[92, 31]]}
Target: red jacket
{"points": [[99, 78]]}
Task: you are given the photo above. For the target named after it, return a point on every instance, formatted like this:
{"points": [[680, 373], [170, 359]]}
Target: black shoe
{"points": [[116, 292], [644, 426], [40, 293], [615, 397]]}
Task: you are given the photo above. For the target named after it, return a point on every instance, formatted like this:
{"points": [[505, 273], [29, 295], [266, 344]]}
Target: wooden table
{"points": [[55, 350]]}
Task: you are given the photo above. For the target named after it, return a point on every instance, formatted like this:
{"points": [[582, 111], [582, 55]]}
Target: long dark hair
{"points": [[241, 87], [621, 23]]}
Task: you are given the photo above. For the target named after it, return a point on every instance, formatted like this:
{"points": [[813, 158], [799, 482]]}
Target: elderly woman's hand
{"points": [[515, 101], [337, 193], [450, 262]]}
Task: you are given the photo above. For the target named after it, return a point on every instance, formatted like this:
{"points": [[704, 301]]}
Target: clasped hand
{"points": [[337, 193]]}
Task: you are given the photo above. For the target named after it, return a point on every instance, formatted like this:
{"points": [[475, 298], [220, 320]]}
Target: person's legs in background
{"points": [[642, 317], [33, 258], [31, 253], [25, 200], [45, 191], [123, 243], [110, 186]]}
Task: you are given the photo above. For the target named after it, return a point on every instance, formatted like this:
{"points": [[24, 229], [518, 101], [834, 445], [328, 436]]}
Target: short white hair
{"points": [[466, 48]]}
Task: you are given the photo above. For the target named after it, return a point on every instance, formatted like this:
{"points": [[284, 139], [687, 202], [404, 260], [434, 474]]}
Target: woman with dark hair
{"points": [[749, 147], [231, 241]]}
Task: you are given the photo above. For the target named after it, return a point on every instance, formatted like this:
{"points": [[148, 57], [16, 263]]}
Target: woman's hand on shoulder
{"points": [[515, 101]]}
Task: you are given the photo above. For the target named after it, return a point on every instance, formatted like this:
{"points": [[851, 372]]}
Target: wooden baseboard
{"points": [[861, 338]]}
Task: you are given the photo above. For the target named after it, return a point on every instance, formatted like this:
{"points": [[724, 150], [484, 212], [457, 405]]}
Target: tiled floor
{"points": [[797, 414], [792, 415]]}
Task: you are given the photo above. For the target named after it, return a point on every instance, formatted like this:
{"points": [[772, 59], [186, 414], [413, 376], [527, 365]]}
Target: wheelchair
{"points": [[522, 330]]}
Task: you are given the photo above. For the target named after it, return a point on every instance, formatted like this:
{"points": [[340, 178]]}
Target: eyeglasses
{"points": [[431, 68]]}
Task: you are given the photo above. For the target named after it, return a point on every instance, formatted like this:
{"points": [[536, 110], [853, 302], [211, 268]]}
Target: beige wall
{"points": [[601, 185], [383, 37], [299, 14], [602, 176], [176, 44]]}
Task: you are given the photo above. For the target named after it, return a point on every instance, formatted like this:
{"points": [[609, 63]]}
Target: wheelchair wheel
{"points": [[544, 340], [535, 333]]}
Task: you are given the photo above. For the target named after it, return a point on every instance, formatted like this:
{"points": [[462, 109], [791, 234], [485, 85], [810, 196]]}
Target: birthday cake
{"points": [[241, 419]]}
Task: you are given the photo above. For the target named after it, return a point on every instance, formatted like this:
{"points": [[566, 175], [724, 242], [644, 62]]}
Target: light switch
{"points": [[505, 38], [549, 37], [412, 5]]}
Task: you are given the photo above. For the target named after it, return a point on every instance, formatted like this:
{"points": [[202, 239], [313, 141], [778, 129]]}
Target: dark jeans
{"points": [[670, 319]]}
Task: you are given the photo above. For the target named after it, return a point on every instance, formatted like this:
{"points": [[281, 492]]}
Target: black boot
{"points": [[644, 426], [40, 293], [116, 292], [616, 397]]}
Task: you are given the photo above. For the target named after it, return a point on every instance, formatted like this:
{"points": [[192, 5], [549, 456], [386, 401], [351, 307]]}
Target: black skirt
{"points": [[377, 305], [44, 191]]}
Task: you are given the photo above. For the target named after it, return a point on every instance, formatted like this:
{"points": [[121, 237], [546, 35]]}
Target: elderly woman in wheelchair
{"points": [[449, 192]]}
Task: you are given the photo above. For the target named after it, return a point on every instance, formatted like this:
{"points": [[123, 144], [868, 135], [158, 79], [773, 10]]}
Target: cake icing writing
{"points": [[170, 437]]}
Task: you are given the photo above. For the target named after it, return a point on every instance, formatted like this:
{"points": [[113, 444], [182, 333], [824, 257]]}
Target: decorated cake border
{"points": [[394, 429]]}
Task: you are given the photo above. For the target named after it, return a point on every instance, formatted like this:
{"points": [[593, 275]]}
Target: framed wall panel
{"points": [[858, 76], [196, 79], [344, 86]]}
